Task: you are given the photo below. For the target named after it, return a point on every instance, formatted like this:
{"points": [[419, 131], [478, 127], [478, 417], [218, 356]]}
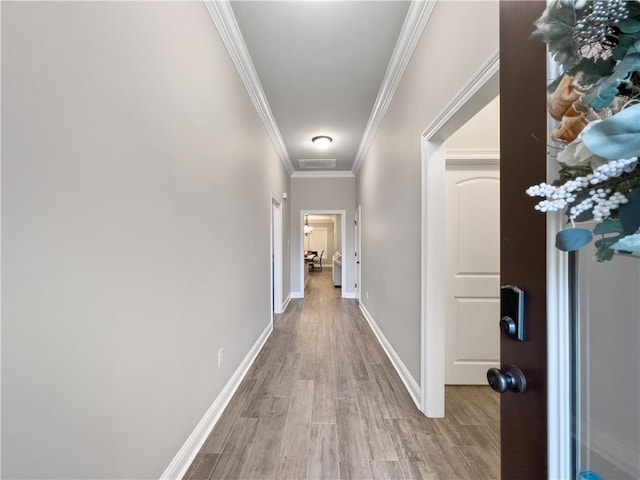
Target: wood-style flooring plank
{"points": [[322, 401], [353, 447], [323, 462], [386, 470], [297, 429], [267, 440], [215, 442], [202, 468], [236, 451]]}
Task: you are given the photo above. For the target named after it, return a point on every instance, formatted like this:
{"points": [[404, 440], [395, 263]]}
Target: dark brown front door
{"points": [[523, 236]]}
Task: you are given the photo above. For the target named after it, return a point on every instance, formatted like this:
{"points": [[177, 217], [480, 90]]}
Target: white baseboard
{"points": [[286, 302], [297, 295], [409, 382], [348, 294], [183, 459]]}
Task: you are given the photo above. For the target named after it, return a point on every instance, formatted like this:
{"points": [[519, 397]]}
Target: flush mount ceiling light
{"points": [[322, 141]]}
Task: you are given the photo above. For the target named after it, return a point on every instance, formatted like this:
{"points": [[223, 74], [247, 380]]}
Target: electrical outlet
{"points": [[367, 295], [220, 357]]}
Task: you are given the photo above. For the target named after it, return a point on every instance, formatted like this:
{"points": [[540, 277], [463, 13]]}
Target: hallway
{"points": [[322, 401]]}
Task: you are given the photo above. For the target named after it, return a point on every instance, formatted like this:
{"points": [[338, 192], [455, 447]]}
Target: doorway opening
{"points": [[323, 239], [479, 92], [472, 249]]}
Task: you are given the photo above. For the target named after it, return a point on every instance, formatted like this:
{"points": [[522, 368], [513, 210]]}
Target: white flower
{"points": [[600, 201]]}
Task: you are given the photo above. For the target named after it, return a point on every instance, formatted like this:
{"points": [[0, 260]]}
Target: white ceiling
{"points": [[321, 65]]}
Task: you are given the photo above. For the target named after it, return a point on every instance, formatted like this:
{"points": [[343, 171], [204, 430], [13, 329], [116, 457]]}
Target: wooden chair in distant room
{"points": [[317, 261]]}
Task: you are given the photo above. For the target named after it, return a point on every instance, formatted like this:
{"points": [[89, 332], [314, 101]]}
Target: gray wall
{"points": [[388, 183], [322, 194], [136, 176]]}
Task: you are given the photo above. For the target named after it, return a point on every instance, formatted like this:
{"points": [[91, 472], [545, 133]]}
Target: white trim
{"points": [[559, 339], [469, 156], [358, 257], [225, 22], [349, 295], [298, 294], [480, 89], [276, 261], [559, 361], [319, 174], [432, 300], [409, 382], [414, 23], [183, 459], [286, 302]]}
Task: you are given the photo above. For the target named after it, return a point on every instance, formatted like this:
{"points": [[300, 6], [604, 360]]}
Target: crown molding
{"points": [[318, 174], [227, 26], [417, 18]]}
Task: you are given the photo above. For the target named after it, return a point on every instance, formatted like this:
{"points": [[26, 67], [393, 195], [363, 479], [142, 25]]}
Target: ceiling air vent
{"points": [[317, 163]]}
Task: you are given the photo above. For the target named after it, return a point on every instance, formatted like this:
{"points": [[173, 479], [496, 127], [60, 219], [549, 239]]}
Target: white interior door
{"points": [[472, 266]]}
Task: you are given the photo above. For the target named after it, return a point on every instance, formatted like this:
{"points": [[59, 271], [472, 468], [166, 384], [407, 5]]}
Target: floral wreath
{"points": [[596, 101]]}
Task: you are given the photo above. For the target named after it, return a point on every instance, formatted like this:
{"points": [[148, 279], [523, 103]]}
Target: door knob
{"points": [[511, 379]]}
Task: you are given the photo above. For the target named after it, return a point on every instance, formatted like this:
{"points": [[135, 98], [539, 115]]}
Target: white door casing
{"points": [[358, 248], [276, 255], [472, 264]]}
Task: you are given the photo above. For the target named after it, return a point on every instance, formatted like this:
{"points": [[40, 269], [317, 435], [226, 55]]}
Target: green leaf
{"points": [[603, 93], [616, 137], [604, 252], [629, 25], [555, 28], [610, 225], [629, 213], [589, 71]]}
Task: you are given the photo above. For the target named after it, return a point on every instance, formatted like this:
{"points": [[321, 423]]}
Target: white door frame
{"points": [[478, 92], [358, 256], [559, 337], [343, 244], [276, 255]]}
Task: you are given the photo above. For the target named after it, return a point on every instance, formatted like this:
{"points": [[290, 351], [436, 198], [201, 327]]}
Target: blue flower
{"points": [[630, 243]]}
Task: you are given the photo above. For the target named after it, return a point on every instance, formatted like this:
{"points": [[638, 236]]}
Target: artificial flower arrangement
{"points": [[596, 101]]}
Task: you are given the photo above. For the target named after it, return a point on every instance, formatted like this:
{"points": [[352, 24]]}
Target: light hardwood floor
{"points": [[322, 401]]}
